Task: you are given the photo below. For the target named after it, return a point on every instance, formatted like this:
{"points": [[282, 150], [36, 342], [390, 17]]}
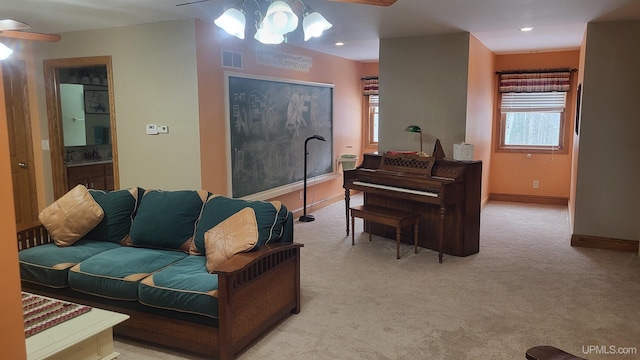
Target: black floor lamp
{"points": [[305, 217]]}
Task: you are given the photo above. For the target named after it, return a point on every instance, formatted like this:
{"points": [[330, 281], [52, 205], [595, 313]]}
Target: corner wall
{"points": [[445, 85], [480, 100], [423, 81], [607, 193]]}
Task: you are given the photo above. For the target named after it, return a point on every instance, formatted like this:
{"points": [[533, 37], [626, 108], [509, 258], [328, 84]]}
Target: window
{"points": [[371, 111], [532, 121], [532, 112], [374, 113]]}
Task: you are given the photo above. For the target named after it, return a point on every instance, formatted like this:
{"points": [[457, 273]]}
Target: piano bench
{"points": [[380, 215]]}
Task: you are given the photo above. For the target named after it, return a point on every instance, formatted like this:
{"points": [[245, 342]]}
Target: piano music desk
{"points": [[395, 218]]}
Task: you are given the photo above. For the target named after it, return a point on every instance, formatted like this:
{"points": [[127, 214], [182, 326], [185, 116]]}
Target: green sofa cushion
{"points": [[270, 216], [116, 274], [185, 286], [167, 219], [49, 264], [119, 207]]}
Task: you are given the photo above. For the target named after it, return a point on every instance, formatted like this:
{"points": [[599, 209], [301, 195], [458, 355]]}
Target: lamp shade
{"points": [[233, 22], [267, 37], [413, 129], [280, 19], [314, 24], [5, 51]]}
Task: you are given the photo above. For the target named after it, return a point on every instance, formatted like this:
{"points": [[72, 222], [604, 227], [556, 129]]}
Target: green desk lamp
{"points": [[416, 129]]}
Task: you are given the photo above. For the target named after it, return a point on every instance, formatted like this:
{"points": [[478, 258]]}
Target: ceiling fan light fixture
{"points": [[5, 51], [267, 37], [280, 18], [233, 22], [14, 25], [314, 24]]}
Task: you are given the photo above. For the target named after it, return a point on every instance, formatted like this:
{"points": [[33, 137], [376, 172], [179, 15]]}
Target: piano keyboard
{"points": [[393, 188]]}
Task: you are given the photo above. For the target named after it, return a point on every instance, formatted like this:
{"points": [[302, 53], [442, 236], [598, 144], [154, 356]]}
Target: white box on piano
{"points": [[463, 151]]}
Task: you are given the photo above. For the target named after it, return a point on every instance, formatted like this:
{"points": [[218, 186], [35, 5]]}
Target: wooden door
{"points": [[20, 142]]}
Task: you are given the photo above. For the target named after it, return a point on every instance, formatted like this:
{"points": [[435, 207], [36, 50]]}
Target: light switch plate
{"points": [[152, 129]]}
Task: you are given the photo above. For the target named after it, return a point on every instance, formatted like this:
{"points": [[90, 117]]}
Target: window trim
{"points": [[563, 136], [369, 143]]}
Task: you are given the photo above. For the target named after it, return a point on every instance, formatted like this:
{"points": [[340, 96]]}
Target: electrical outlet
{"points": [[536, 184], [163, 129]]}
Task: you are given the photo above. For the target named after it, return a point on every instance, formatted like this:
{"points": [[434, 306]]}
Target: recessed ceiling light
{"points": [[339, 43], [526, 29]]}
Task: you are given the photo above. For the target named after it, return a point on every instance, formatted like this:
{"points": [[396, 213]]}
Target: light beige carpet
{"points": [[526, 287]]}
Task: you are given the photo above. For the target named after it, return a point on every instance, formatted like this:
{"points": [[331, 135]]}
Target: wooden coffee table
{"points": [[87, 336]]}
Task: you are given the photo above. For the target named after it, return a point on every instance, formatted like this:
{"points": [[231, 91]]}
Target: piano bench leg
{"points": [[415, 238], [398, 235], [353, 230]]}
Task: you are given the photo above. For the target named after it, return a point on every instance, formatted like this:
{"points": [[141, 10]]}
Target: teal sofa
{"points": [[195, 271]]}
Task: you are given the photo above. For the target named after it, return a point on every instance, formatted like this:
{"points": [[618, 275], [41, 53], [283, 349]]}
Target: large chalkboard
{"points": [[268, 122]]}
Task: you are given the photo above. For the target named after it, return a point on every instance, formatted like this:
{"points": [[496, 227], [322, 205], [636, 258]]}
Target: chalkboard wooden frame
{"points": [[268, 121]]}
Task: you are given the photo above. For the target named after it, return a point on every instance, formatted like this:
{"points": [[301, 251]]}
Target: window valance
{"points": [[370, 85], [535, 81]]}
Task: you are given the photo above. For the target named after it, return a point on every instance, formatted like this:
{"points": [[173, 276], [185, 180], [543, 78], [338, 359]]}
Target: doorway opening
{"points": [[82, 123]]}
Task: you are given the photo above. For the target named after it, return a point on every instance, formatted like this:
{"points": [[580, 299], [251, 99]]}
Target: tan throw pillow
{"points": [[72, 216], [238, 233]]}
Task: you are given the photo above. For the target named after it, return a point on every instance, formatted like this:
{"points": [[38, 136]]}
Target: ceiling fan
{"points": [[366, 2], [10, 28], [279, 19]]}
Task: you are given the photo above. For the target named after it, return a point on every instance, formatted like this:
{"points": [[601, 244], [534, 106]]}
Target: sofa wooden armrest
{"points": [[246, 259], [32, 234], [256, 290]]}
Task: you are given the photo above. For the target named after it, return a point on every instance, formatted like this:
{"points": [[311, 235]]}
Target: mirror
{"points": [[73, 117], [84, 102]]}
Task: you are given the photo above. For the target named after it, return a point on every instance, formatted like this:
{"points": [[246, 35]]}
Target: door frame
{"points": [[54, 115]]}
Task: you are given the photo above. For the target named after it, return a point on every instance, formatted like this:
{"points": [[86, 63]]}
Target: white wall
{"points": [[423, 81], [607, 202], [154, 77]]}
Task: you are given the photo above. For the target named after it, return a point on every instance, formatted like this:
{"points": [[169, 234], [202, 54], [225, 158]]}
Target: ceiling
{"points": [[558, 24]]}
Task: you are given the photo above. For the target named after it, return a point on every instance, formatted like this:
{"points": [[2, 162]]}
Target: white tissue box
{"points": [[463, 151]]}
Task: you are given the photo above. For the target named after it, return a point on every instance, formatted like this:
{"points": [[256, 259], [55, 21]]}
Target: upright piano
{"points": [[446, 193]]}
